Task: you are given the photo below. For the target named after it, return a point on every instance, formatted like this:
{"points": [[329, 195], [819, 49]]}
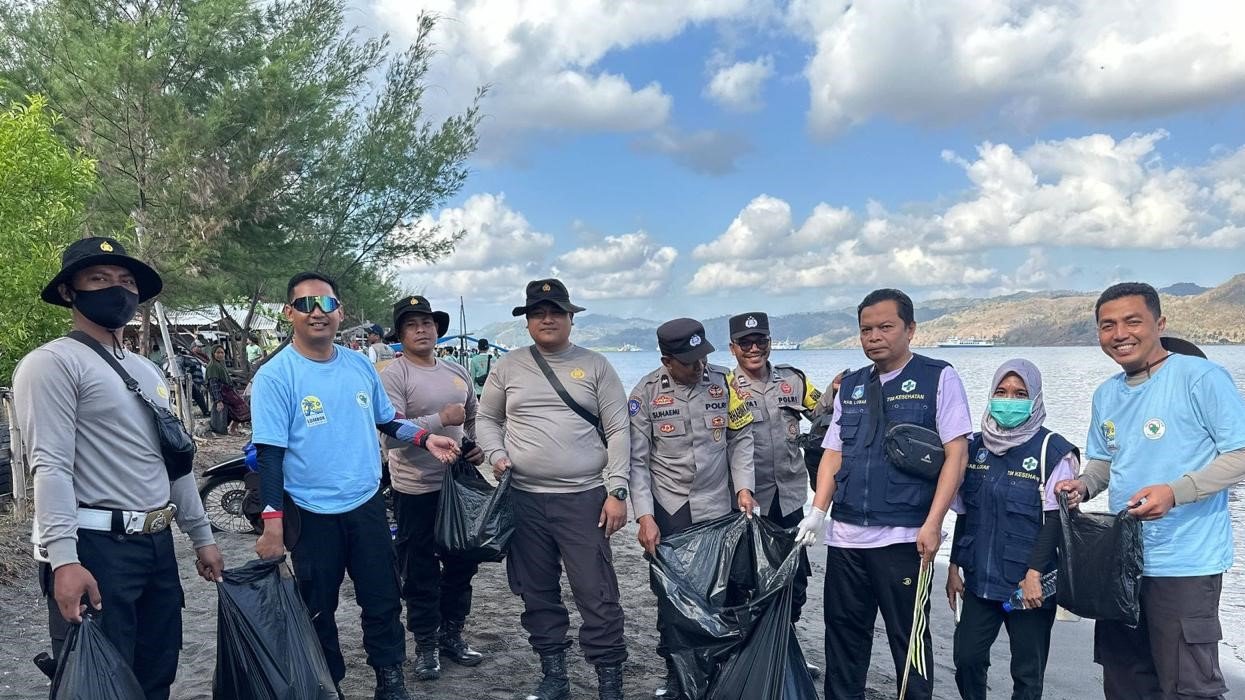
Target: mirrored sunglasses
{"points": [[326, 303]]}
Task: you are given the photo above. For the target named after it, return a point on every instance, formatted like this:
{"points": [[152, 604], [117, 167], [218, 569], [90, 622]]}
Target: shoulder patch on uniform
{"points": [[633, 406]]}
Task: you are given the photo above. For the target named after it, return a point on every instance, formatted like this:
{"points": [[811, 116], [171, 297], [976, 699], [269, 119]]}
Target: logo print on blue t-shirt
{"points": [[859, 391], [313, 411], [1154, 429], [362, 399]]}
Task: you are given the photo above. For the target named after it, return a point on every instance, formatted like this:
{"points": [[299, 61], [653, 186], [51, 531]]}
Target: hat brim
{"points": [[146, 278], [749, 331], [564, 305], [441, 318], [699, 353]]}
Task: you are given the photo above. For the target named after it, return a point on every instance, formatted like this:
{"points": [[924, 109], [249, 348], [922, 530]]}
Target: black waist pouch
{"points": [[915, 450]]}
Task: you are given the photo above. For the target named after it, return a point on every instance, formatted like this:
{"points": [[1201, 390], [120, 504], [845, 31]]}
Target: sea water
{"points": [[1069, 377]]}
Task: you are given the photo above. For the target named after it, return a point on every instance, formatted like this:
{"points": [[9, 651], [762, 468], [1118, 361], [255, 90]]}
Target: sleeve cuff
{"points": [[496, 455], [201, 536], [619, 482], [639, 511], [1184, 489], [62, 552]]}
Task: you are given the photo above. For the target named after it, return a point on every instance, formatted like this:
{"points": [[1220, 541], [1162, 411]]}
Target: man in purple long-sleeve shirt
{"points": [[887, 522]]}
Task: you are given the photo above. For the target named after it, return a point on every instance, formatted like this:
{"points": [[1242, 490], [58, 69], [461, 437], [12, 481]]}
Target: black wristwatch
{"points": [[619, 493]]}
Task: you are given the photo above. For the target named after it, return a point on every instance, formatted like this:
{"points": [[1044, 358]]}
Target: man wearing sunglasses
{"points": [[691, 443], [777, 396], [554, 415], [316, 407]]}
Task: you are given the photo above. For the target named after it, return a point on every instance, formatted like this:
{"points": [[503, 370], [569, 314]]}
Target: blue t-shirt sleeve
{"points": [[380, 398], [1220, 409], [270, 411], [1095, 441]]}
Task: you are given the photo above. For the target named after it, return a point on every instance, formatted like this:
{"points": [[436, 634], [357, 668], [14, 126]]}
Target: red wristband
{"points": [[271, 515]]}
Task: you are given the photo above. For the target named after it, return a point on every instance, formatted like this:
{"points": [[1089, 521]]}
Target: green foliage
{"points": [[43, 191], [247, 141]]}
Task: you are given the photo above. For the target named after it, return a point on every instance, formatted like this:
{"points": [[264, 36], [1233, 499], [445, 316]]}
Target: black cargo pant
{"points": [[435, 586], [357, 542], [799, 585], [859, 583], [1028, 632], [1174, 652], [556, 529], [142, 603]]}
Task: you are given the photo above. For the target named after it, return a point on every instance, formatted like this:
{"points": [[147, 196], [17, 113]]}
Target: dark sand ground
{"points": [[510, 667]]}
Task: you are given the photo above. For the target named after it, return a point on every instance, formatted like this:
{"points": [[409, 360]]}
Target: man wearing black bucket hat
{"points": [[103, 499], [691, 449], [555, 415], [437, 395]]}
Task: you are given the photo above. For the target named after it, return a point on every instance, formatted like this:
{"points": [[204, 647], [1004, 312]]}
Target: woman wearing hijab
{"points": [[1005, 536], [224, 397]]}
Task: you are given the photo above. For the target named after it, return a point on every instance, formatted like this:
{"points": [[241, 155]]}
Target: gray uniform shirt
{"points": [[90, 440], [776, 404], [689, 445], [551, 448], [420, 393]]}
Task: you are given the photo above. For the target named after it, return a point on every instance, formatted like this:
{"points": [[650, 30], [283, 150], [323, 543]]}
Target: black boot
{"points": [[456, 648], [609, 682], [670, 689], [554, 685], [390, 684], [427, 661]]}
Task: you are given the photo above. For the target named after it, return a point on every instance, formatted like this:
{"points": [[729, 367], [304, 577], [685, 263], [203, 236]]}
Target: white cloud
{"points": [[738, 87], [629, 266], [542, 58], [939, 61], [500, 251], [1089, 192]]}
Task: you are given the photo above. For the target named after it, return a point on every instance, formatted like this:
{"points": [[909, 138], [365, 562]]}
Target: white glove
{"points": [[812, 528]]}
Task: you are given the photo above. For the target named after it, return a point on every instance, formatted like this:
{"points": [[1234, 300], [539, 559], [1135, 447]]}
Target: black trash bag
{"points": [[266, 646], [724, 590], [474, 518], [1100, 565], [91, 668], [218, 421]]}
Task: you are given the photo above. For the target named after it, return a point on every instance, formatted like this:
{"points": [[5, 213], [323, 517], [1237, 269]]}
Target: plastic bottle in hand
{"points": [[1017, 601]]}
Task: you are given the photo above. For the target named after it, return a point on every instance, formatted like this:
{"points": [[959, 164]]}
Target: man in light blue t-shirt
{"points": [[315, 410], [1168, 435]]}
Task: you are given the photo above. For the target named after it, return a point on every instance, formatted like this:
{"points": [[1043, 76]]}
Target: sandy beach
{"points": [[510, 667]]}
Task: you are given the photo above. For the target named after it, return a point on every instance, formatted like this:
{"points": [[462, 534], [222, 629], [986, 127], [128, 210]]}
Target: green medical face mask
{"points": [[1009, 413]]}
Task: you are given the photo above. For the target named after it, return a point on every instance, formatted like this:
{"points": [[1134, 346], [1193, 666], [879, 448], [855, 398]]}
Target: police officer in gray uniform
{"points": [[777, 396], [691, 445]]}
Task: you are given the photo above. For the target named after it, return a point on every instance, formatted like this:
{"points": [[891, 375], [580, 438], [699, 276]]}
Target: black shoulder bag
{"points": [[566, 398], [176, 445], [488, 367]]}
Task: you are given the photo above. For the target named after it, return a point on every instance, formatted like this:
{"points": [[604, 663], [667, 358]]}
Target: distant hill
{"points": [[1209, 316], [1184, 289]]}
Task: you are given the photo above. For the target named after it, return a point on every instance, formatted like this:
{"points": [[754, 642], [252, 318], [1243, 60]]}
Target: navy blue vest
{"points": [[1003, 506], [869, 490]]}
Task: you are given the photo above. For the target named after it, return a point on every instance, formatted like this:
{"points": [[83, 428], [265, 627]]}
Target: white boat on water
{"points": [[784, 345], [966, 343]]}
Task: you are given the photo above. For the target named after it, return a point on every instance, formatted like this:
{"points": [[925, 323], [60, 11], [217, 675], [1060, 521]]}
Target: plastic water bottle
{"points": [[1017, 601]]}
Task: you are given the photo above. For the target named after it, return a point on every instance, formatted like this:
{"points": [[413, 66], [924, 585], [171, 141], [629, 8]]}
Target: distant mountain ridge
{"points": [[1200, 314]]}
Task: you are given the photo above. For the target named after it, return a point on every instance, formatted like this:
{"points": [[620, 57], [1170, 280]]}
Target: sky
{"points": [[705, 157]]}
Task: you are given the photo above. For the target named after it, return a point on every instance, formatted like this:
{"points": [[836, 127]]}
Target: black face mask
{"points": [[111, 307]]}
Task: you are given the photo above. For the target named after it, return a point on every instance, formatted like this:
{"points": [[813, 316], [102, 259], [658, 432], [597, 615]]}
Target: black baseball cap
{"points": [[416, 304], [98, 250], [547, 290], [753, 323], [684, 340]]}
